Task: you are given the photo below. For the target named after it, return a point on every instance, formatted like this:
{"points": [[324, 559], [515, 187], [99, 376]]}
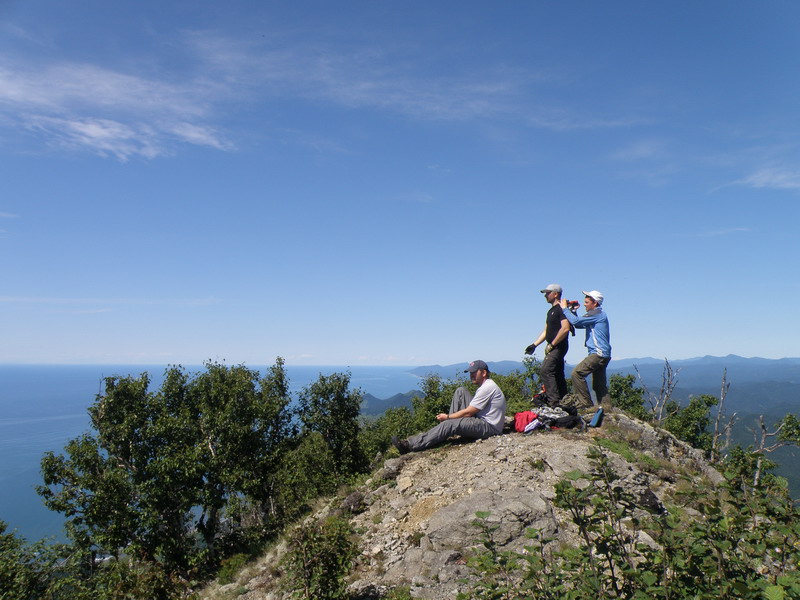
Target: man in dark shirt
{"points": [[556, 331]]}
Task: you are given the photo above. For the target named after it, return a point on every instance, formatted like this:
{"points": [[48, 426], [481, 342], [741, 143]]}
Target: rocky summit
{"points": [[415, 515]]}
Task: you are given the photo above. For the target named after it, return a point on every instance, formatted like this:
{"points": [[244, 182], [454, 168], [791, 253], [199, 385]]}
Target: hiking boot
{"points": [[540, 400], [401, 445], [570, 400], [583, 404]]}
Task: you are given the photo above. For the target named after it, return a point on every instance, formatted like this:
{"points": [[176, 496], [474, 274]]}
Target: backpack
{"points": [[568, 422], [561, 417]]}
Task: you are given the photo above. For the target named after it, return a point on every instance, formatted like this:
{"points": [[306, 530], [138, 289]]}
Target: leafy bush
{"points": [[177, 479], [230, 567], [20, 572], [307, 472], [627, 397], [320, 556], [376, 434], [156, 477], [690, 423], [330, 408], [436, 397]]}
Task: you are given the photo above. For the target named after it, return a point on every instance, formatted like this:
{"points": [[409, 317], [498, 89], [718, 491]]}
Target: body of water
{"points": [[44, 406]]}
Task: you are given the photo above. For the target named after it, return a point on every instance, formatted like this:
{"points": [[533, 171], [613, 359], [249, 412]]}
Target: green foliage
{"points": [[331, 409], [627, 397], [20, 571], [789, 430], [517, 388], [643, 461], [376, 434], [319, 557], [60, 572], [740, 466], [126, 579], [690, 423], [399, 593], [744, 546], [307, 471], [162, 468], [170, 482], [435, 399], [230, 567]]}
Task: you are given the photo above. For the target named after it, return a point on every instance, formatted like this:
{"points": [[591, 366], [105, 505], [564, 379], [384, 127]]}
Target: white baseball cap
{"points": [[595, 295]]}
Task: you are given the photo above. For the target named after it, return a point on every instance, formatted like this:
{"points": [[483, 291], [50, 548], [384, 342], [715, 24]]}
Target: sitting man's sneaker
{"points": [[401, 445]]}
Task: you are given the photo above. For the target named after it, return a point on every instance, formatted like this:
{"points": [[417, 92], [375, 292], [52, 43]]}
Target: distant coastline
{"points": [[44, 406]]}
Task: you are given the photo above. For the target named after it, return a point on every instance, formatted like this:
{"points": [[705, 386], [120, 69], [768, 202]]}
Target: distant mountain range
{"points": [[373, 406], [768, 384]]}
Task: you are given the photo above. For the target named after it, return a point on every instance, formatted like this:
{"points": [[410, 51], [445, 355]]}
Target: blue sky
{"points": [[355, 183]]}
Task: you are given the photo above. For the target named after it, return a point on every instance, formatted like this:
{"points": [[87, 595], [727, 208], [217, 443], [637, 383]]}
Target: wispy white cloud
{"points": [[80, 106], [201, 136], [4, 215], [368, 77], [122, 113], [103, 136], [773, 177], [74, 86], [351, 77]]}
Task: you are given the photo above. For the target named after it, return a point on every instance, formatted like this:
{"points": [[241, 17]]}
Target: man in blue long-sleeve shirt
{"points": [[598, 342]]}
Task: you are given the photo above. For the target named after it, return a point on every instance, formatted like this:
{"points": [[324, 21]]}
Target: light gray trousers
{"points": [[467, 427]]}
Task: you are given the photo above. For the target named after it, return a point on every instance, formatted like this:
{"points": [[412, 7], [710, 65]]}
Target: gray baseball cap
{"points": [[476, 365], [553, 287]]}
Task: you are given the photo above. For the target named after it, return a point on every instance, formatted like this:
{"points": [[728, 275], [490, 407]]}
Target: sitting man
{"points": [[473, 417]]}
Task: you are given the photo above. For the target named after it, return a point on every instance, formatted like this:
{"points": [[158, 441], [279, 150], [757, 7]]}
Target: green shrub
{"points": [[376, 434], [319, 557], [627, 397], [645, 462], [690, 423], [230, 568]]}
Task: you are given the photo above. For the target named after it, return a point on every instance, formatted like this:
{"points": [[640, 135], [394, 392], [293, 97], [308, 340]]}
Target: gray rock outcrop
{"points": [[415, 516]]}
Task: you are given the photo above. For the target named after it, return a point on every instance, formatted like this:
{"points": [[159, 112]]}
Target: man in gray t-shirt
{"points": [[473, 417]]}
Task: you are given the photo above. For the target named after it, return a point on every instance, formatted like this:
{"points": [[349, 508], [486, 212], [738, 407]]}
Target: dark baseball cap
{"points": [[476, 365]]}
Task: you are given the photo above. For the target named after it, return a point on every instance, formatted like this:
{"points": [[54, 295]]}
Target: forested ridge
{"points": [[176, 486]]}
